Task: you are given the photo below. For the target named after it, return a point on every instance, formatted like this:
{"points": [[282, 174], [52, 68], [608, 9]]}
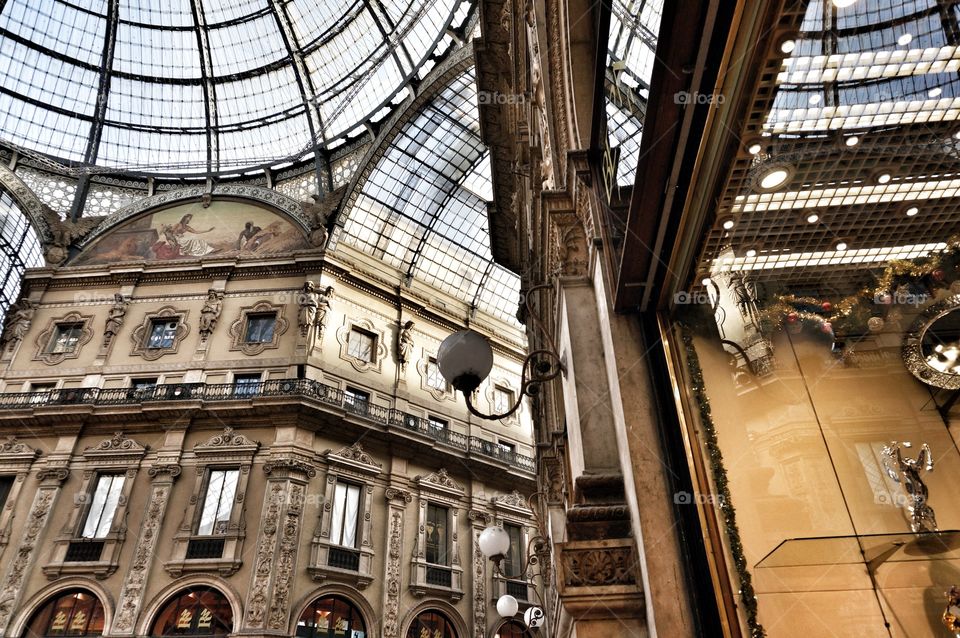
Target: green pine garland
{"points": [[747, 595]]}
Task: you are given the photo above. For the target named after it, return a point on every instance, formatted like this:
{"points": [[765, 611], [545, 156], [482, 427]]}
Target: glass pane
{"points": [[436, 535], [260, 328], [218, 503], [336, 521], [103, 506], [350, 514]]}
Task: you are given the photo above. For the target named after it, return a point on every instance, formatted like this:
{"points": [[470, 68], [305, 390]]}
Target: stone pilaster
{"points": [[397, 500]]}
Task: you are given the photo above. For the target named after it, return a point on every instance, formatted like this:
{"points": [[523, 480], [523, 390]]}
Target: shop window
{"points": [[196, 611], [331, 617], [431, 624], [72, 613]]}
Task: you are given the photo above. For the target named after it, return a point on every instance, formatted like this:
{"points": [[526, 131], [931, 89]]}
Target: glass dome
{"points": [[208, 86]]}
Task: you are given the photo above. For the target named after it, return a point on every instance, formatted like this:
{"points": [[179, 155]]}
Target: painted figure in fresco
{"points": [[175, 235], [247, 236], [115, 318], [906, 471]]}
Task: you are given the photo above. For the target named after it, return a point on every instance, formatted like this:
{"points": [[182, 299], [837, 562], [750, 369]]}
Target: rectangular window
{"points": [[163, 332], [103, 505], [513, 561], [346, 512], [435, 380], [218, 502], [144, 383], [507, 448], [260, 327], [502, 399], [436, 534], [438, 427], [361, 345], [65, 338], [356, 400], [245, 385], [6, 483]]}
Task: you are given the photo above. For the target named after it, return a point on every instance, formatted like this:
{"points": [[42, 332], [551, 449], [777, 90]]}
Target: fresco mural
{"points": [[190, 231]]}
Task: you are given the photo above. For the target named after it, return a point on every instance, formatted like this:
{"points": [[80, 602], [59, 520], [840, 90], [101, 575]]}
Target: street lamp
{"points": [[494, 543]]}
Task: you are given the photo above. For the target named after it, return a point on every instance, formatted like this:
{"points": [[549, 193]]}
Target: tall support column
{"points": [[397, 500], [163, 476]]}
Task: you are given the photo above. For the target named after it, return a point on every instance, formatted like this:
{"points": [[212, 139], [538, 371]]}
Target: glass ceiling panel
{"points": [[243, 100], [423, 209]]}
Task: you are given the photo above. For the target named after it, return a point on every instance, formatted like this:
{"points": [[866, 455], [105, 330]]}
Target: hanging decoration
{"points": [[911, 282]]}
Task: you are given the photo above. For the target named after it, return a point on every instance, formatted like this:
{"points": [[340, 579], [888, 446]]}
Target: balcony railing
{"points": [[344, 558], [302, 388], [439, 576], [205, 548], [83, 550], [517, 589]]}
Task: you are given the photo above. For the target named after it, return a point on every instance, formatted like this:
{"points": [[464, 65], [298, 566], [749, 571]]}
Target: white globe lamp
{"points": [[465, 358], [507, 606], [494, 542]]}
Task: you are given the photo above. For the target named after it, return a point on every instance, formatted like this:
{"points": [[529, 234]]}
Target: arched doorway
{"points": [[431, 624], [331, 617], [195, 611], [74, 612], [512, 629]]}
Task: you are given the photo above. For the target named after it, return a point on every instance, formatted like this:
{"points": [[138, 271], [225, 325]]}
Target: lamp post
{"points": [[494, 543]]}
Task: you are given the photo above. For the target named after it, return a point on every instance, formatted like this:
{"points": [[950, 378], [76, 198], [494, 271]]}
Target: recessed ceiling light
{"points": [[913, 210], [905, 39], [728, 224], [813, 218], [840, 4], [774, 178], [755, 148], [884, 178], [956, 135], [840, 246], [787, 46], [853, 140], [751, 252], [935, 92], [814, 99]]}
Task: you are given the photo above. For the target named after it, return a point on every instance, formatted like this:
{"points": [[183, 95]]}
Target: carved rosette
{"points": [[20, 565], [131, 595]]}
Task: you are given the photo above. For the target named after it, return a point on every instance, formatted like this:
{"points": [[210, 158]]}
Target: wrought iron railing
{"points": [[301, 388], [343, 558], [205, 548], [517, 589], [83, 550], [439, 576]]}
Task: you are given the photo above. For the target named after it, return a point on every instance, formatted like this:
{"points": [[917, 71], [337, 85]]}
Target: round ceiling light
{"points": [[935, 92], [750, 252], [840, 4], [755, 148], [814, 99], [883, 177], [813, 218], [853, 140], [913, 210], [774, 178], [840, 246], [905, 39], [787, 46], [728, 224]]}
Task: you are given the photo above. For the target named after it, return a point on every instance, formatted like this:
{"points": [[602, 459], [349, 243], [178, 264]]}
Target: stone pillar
{"points": [[51, 479], [479, 521], [397, 500], [131, 594], [268, 600]]}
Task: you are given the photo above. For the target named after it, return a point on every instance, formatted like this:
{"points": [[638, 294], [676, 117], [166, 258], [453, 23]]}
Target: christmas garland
{"points": [[903, 281], [748, 597]]}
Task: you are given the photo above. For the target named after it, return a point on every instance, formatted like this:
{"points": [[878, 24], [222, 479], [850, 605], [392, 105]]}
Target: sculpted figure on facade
{"points": [[210, 313], [405, 344], [17, 322], [115, 318], [308, 300]]}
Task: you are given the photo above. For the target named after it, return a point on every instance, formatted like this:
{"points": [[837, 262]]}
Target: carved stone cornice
{"points": [[289, 468], [512, 501], [355, 458], [479, 516], [173, 470], [119, 446], [15, 452], [53, 475], [226, 442], [396, 494], [439, 481]]}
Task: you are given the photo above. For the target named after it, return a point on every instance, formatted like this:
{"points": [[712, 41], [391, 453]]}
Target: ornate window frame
{"points": [[489, 393], [44, 338], [439, 489], [437, 394], [513, 509], [141, 333], [116, 455], [227, 450], [238, 329], [16, 458], [354, 465], [379, 350]]}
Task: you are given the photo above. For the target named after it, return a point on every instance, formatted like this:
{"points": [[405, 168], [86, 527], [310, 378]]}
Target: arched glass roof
{"points": [[423, 209], [208, 86], [19, 249]]}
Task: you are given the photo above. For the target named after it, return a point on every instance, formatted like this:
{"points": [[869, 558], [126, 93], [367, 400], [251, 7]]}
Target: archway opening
{"points": [[431, 624], [195, 611], [74, 612], [331, 617]]}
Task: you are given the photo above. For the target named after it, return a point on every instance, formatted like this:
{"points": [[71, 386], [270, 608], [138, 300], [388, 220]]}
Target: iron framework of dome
{"points": [[206, 87]]}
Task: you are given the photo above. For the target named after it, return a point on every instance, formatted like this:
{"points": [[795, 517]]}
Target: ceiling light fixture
{"points": [[840, 246], [750, 252], [755, 148], [842, 4], [774, 178], [853, 140], [727, 223], [813, 218], [913, 210], [787, 46], [905, 39], [814, 99], [883, 178], [935, 92]]}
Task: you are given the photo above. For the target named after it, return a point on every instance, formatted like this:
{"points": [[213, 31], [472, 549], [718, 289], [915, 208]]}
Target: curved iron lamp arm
{"points": [[535, 371]]}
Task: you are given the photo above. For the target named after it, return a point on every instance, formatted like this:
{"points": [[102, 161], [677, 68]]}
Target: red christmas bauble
{"points": [[938, 274], [827, 306], [792, 317]]}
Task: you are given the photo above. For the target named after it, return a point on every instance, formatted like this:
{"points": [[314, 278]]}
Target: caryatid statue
{"points": [[405, 343]]}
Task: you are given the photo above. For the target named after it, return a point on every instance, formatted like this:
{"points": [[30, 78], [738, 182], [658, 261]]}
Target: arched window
{"points": [[19, 249], [512, 629], [331, 617], [75, 612], [195, 611], [431, 624]]}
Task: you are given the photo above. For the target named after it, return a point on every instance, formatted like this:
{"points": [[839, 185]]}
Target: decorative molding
{"points": [[238, 329], [45, 339], [392, 587], [134, 583], [479, 587], [117, 445], [264, 557], [397, 494], [227, 441], [39, 214], [173, 470], [446, 394], [439, 480], [354, 457], [53, 474], [286, 559], [600, 566], [289, 467], [514, 500], [141, 334]]}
